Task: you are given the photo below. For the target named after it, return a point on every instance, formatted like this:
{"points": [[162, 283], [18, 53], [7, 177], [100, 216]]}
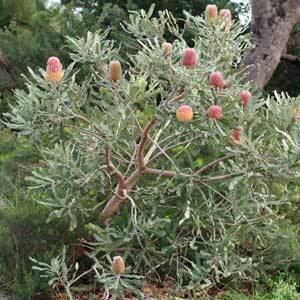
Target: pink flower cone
{"points": [[216, 80], [212, 11], [54, 70], [215, 112], [190, 58]]}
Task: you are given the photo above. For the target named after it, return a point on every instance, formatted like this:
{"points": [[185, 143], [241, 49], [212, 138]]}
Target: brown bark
{"points": [[272, 24], [292, 58]]}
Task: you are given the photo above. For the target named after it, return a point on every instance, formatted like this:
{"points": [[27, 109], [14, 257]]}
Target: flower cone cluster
{"points": [[224, 14]]}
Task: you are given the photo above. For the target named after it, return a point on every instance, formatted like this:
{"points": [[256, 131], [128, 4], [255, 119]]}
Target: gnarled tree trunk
{"points": [[272, 24]]}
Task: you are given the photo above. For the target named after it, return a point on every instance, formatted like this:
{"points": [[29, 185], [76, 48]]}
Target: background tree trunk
{"points": [[272, 24]]}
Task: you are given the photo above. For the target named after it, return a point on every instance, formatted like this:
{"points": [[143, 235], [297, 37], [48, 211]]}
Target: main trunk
{"points": [[272, 24]]}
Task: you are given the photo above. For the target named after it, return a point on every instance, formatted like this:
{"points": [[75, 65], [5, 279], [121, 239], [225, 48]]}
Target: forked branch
{"points": [[113, 204]]}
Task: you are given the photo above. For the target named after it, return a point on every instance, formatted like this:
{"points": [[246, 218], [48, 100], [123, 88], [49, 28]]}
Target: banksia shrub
{"points": [[216, 80], [189, 58], [54, 70], [167, 49], [180, 201], [215, 112], [212, 11], [118, 265], [115, 70], [184, 113]]}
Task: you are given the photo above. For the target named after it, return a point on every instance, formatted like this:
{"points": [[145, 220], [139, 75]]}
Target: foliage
{"points": [[29, 33], [20, 11], [204, 213], [16, 157], [23, 233], [97, 7], [281, 289], [46, 34], [59, 273]]}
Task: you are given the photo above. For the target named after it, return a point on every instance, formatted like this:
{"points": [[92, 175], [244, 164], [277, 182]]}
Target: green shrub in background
{"points": [[16, 159], [23, 229], [196, 209], [25, 233]]}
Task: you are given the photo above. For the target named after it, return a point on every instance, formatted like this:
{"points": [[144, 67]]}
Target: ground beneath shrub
{"points": [[4, 296], [151, 292]]}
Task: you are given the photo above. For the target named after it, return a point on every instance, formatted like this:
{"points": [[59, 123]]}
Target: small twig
{"points": [[216, 178], [157, 136], [85, 131], [141, 147], [167, 147], [86, 120], [159, 172], [213, 163], [112, 168], [176, 99]]}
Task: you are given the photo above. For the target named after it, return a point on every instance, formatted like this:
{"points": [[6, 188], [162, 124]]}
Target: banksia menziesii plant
{"points": [[216, 80], [245, 97], [190, 58], [54, 70], [184, 113], [215, 112], [225, 15], [212, 11], [118, 265], [115, 70], [167, 49], [171, 195]]}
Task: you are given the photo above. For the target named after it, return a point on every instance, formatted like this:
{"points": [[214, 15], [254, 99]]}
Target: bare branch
{"points": [[87, 121], [217, 178], [159, 172], [292, 58], [114, 203]]}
